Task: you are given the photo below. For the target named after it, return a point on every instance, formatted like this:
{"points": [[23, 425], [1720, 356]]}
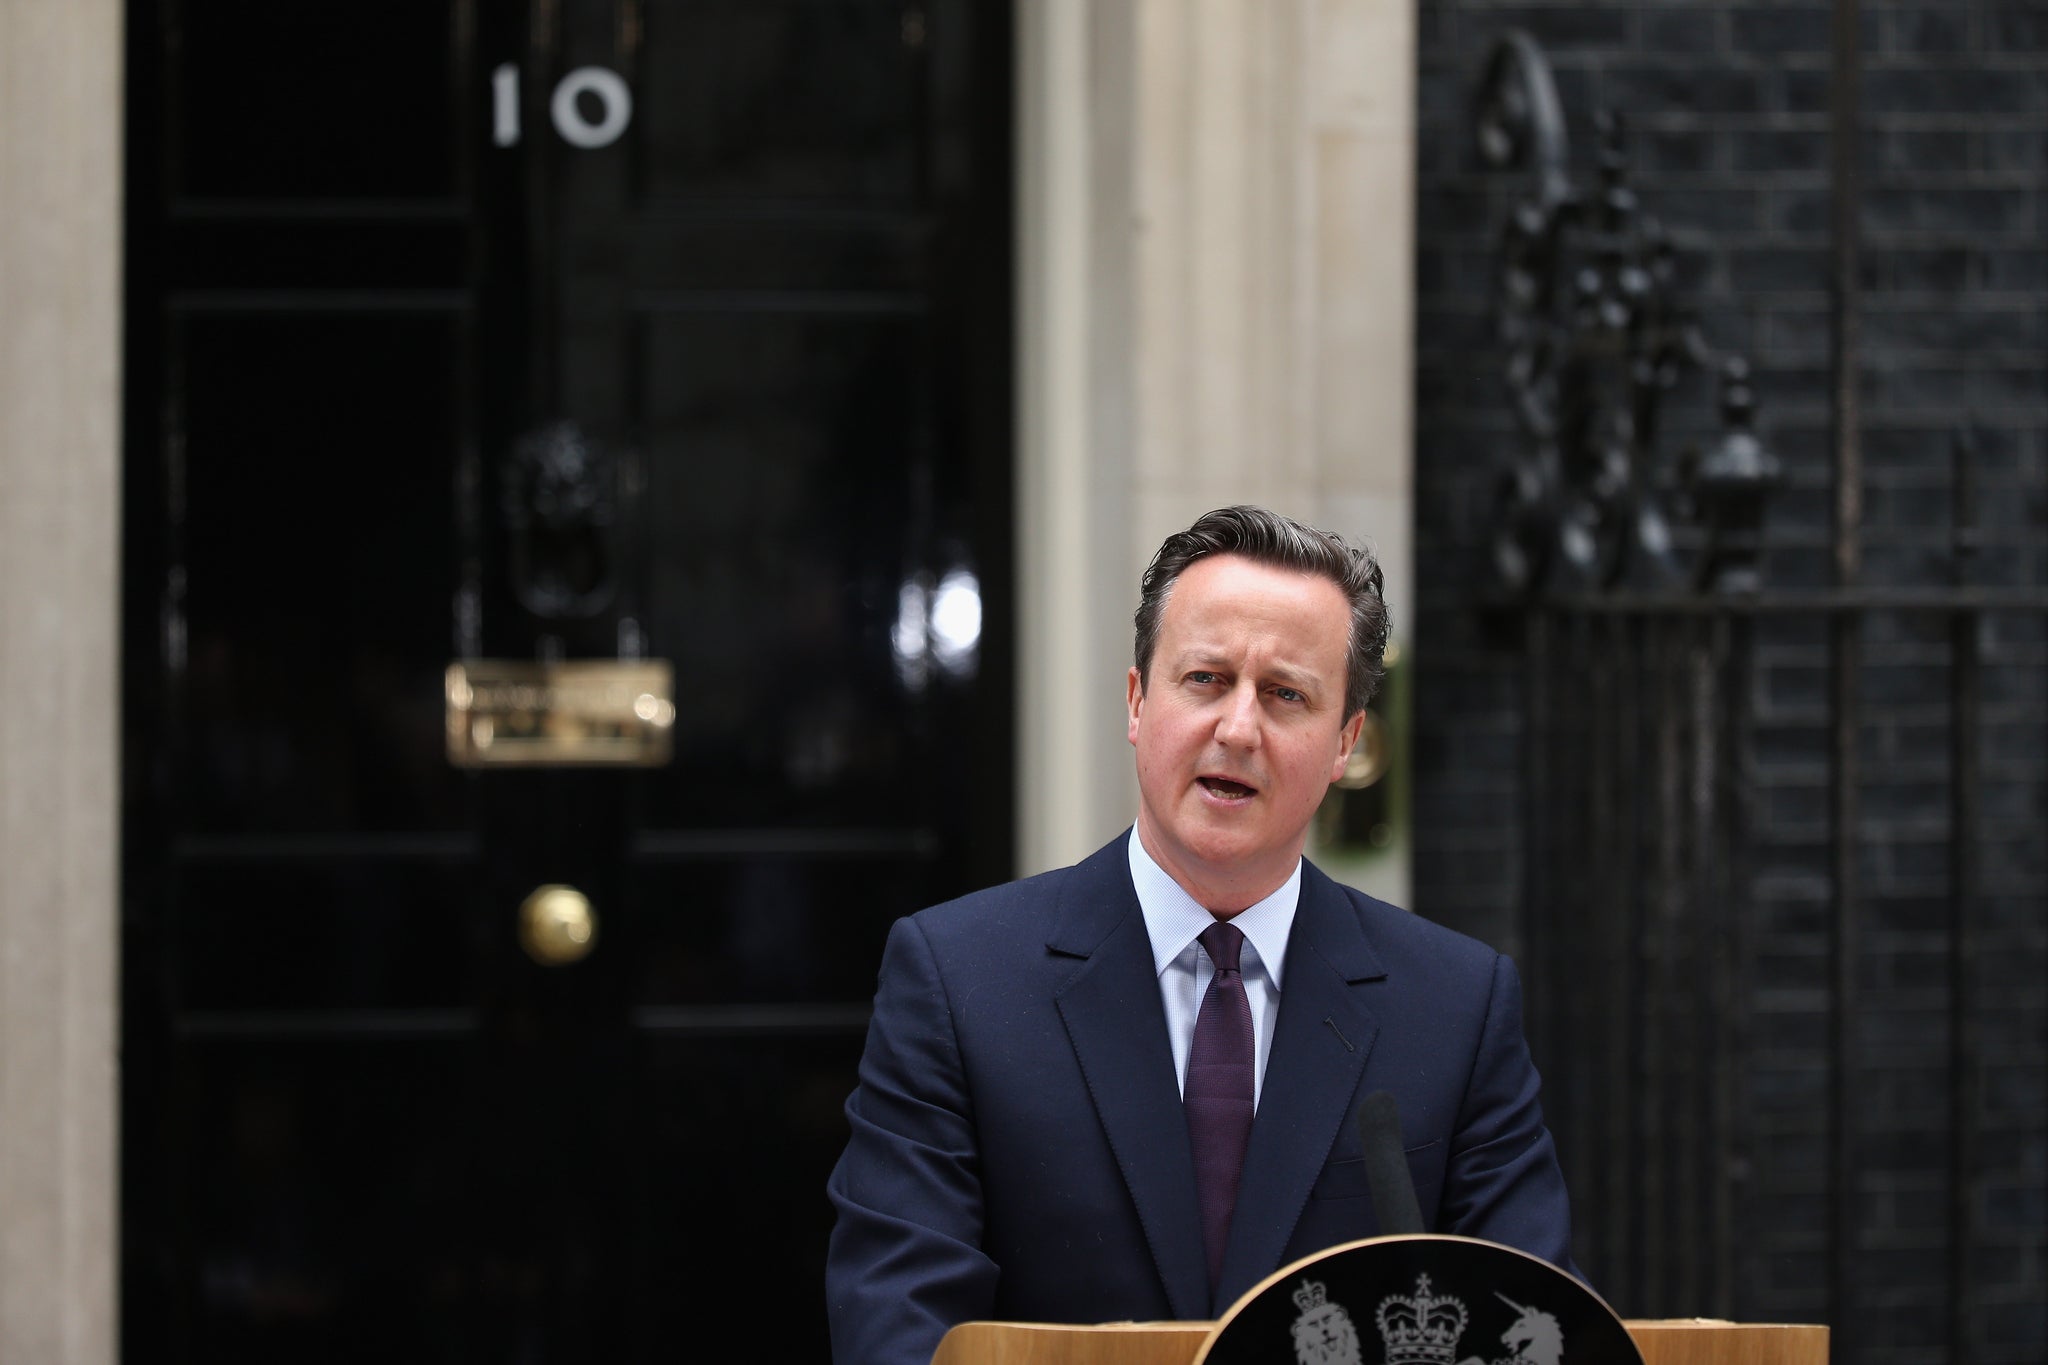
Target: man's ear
{"points": [[1134, 701], [1347, 740]]}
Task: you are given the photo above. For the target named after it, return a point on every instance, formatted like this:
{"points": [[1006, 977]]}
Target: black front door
{"points": [[573, 330]]}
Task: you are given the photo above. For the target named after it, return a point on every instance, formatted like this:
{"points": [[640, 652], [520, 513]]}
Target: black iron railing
{"points": [[1637, 575]]}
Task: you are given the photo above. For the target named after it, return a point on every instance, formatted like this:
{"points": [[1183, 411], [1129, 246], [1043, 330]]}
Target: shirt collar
{"points": [[1174, 919]]}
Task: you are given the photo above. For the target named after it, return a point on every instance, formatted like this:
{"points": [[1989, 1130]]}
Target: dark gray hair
{"points": [[1268, 538]]}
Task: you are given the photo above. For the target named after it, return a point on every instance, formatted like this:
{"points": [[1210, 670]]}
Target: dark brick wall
{"points": [[1729, 129]]}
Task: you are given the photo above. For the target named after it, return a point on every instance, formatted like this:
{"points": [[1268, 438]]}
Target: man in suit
{"points": [[1126, 1089]]}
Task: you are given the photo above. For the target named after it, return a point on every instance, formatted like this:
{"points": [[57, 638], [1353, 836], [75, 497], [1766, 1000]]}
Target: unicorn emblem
{"points": [[1534, 1337]]}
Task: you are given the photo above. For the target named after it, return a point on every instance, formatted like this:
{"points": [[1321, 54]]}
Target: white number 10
{"points": [[574, 129]]}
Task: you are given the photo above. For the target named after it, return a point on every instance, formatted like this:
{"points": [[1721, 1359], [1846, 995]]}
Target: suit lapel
{"points": [[1117, 1025], [1319, 1049]]}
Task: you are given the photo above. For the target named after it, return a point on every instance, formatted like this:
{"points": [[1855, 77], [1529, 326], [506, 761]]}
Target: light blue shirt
{"points": [[1175, 921]]}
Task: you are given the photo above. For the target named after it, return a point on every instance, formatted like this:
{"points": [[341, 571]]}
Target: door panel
{"points": [[818, 101], [769, 1107], [311, 101], [317, 1220], [783, 470], [290, 931], [731, 392], [314, 467], [724, 929]]}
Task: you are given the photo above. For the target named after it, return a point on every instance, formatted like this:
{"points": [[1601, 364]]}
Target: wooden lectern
{"points": [[1675, 1341], [1300, 1310]]}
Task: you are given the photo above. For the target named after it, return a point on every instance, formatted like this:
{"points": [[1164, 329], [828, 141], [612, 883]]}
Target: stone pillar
{"points": [[60, 271], [1216, 291]]}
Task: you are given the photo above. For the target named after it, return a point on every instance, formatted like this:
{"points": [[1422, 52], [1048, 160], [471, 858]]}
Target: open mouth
{"points": [[1225, 788]]}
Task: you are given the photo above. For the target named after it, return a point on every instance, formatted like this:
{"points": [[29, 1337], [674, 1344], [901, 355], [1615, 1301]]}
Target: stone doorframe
{"points": [[1215, 295], [60, 432]]}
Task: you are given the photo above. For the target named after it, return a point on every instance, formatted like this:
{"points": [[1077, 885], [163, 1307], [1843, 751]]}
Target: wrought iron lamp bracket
{"points": [[1598, 335]]}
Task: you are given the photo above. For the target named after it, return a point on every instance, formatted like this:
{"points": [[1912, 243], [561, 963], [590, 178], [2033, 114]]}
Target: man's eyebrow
{"points": [[1205, 659], [1299, 679]]}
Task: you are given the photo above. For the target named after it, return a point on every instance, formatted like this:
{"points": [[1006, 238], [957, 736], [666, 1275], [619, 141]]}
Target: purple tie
{"points": [[1218, 1093]]}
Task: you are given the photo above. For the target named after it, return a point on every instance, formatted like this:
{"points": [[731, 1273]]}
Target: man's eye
{"points": [[1288, 694], [1198, 676]]}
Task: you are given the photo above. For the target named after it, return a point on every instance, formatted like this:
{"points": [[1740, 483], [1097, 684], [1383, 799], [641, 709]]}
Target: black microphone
{"points": [[1386, 1167]]}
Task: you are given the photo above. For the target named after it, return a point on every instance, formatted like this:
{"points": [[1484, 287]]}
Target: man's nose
{"points": [[1238, 726]]}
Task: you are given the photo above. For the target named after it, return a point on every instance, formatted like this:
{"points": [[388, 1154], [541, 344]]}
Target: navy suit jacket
{"points": [[1018, 1148]]}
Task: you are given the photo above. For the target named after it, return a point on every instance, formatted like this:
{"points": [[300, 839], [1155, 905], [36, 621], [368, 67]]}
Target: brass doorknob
{"points": [[557, 925]]}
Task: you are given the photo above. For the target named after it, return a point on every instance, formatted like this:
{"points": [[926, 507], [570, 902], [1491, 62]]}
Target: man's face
{"points": [[1240, 728]]}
